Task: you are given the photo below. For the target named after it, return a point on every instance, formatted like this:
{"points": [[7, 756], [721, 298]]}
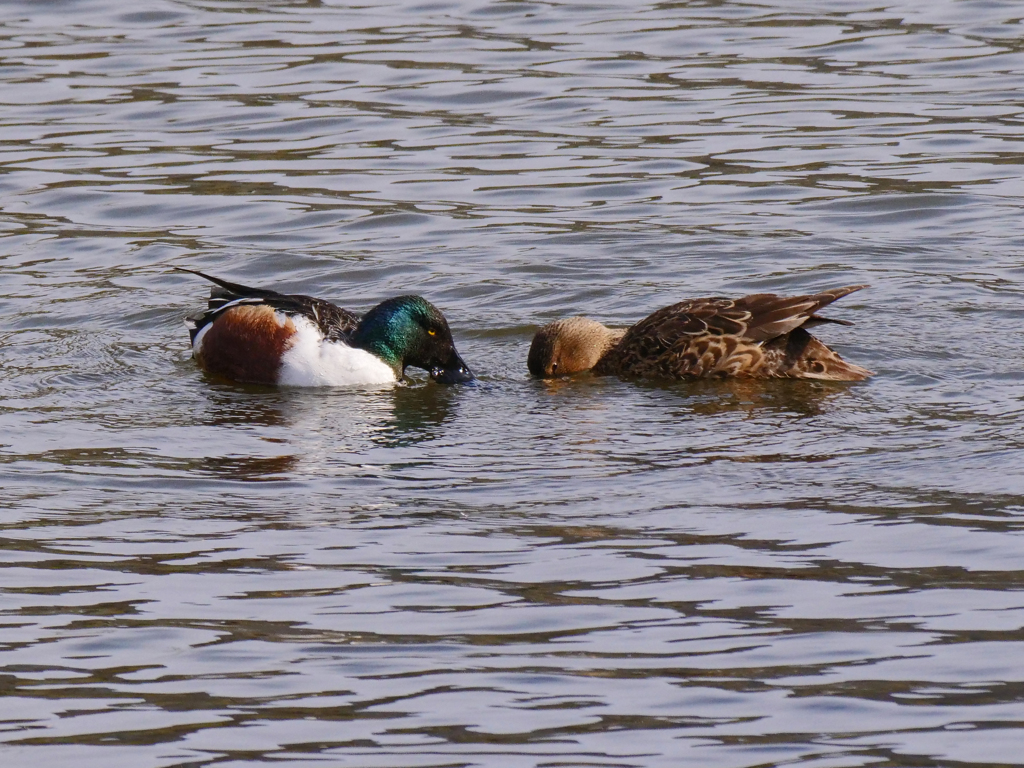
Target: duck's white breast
{"points": [[310, 361]]}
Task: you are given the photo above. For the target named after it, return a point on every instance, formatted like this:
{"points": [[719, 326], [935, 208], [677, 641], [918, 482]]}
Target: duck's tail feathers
{"points": [[811, 358], [772, 316], [838, 369]]}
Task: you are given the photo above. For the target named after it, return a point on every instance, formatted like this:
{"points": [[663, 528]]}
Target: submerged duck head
{"points": [[569, 346], [409, 330]]}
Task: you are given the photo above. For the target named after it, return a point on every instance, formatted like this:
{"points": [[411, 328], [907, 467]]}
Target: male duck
{"points": [[758, 336], [262, 336]]}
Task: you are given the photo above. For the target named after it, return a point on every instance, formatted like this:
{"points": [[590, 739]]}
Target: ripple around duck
{"points": [[519, 572]]}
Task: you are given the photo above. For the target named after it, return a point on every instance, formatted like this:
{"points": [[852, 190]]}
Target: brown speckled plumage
{"points": [[758, 336]]}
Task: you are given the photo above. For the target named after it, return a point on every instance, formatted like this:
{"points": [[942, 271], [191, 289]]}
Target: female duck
{"points": [[757, 336], [265, 337]]}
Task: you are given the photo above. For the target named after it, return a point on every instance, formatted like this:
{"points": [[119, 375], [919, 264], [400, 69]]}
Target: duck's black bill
{"points": [[455, 373]]}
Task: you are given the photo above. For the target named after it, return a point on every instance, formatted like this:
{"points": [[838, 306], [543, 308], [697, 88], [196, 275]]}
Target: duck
{"points": [[261, 336], [761, 336]]}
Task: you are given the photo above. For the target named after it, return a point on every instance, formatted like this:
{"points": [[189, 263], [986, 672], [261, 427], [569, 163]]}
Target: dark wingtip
{"points": [[211, 278], [236, 289], [846, 290]]}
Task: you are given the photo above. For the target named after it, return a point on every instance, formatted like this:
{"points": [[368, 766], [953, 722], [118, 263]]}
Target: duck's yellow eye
{"points": [[431, 332]]}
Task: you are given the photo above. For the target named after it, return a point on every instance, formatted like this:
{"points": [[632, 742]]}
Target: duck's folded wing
{"points": [[693, 336], [334, 322], [757, 317], [674, 341], [224, 292], [769, 316]]}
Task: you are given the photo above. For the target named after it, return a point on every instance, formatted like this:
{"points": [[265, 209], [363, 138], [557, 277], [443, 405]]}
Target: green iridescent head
{"points": [[409, 330]]}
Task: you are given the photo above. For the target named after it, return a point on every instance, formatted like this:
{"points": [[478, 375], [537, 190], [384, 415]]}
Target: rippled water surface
{"points": [[586, 573]]}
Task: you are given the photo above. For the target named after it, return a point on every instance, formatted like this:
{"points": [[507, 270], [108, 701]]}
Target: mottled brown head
{"points": [[569, 346]]}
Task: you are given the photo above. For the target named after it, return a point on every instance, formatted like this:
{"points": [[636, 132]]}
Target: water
{"points": [[518, 573]]}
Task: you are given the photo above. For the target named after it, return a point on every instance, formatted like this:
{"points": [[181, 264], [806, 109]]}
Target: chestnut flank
{"points": [[246, 343]]}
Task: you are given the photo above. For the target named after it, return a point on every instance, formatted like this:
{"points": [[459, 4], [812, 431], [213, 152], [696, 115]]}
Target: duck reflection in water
{"points": [[708, 397], [418, 414], [316, 431], [247, 468]]}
